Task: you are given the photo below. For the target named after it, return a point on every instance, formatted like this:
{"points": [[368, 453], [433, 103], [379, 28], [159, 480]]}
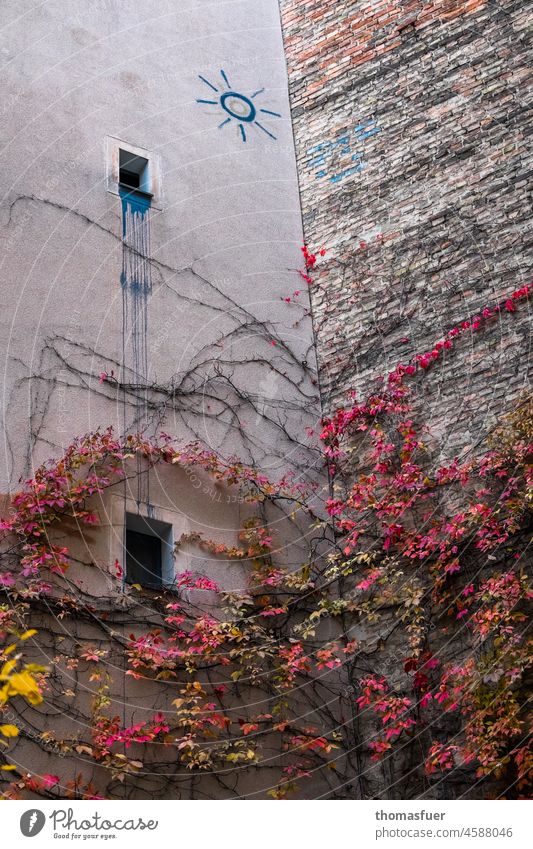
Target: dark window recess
{"points": [[143, 559], [130, 178], [134, 172]]}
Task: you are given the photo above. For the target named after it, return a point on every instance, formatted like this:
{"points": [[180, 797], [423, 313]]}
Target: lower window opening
{"points": [[148, 555]]}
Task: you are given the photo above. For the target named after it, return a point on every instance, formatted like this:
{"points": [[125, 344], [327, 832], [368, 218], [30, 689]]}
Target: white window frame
{"points": [[152, 178]]}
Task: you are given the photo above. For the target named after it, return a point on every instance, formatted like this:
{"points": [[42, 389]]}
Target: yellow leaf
{"points": [[9, 730], [23, 684], [34, 667], [7, 668], [27, 634], [8, 766]]}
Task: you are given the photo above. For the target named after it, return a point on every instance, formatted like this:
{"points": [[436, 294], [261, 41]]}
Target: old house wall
{"points": [[180, 304], [154, 315], [410, 122], [411, 163], [166, 319]]}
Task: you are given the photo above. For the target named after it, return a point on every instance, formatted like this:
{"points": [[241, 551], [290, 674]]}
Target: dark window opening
{"points": [[130, 178], [134, 172], [149, 551], [143, 559]]}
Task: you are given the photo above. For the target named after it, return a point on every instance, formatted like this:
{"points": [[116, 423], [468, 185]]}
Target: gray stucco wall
{"points": [[224, 238]]}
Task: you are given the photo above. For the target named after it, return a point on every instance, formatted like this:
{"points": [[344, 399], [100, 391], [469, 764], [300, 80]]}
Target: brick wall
{"points": [[411, 134]]}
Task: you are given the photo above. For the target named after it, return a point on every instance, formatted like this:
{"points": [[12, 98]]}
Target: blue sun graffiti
{"points": [[237, 107]]}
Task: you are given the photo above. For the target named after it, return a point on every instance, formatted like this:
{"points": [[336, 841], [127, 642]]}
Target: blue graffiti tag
{"points": [[334, 160]]}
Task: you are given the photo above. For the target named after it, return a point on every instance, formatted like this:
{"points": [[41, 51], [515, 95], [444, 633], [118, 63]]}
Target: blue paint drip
{"points": [[136, 283], [135, 238]]}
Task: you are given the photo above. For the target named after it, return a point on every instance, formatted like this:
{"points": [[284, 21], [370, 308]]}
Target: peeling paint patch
{"points": [[341, 157]]}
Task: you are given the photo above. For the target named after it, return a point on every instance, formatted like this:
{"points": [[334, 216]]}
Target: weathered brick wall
{"points": [[411, 129], [410, 125]]}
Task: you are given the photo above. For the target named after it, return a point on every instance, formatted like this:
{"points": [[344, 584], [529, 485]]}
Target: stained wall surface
{"points": [[183, 295]]}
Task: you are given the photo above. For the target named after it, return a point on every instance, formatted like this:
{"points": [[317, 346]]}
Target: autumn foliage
{"points": [[437, 549]]}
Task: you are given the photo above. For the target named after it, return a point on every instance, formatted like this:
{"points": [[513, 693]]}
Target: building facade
{"points": [[411, 137], [162, 169], [150, 232], [410, 129]]}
